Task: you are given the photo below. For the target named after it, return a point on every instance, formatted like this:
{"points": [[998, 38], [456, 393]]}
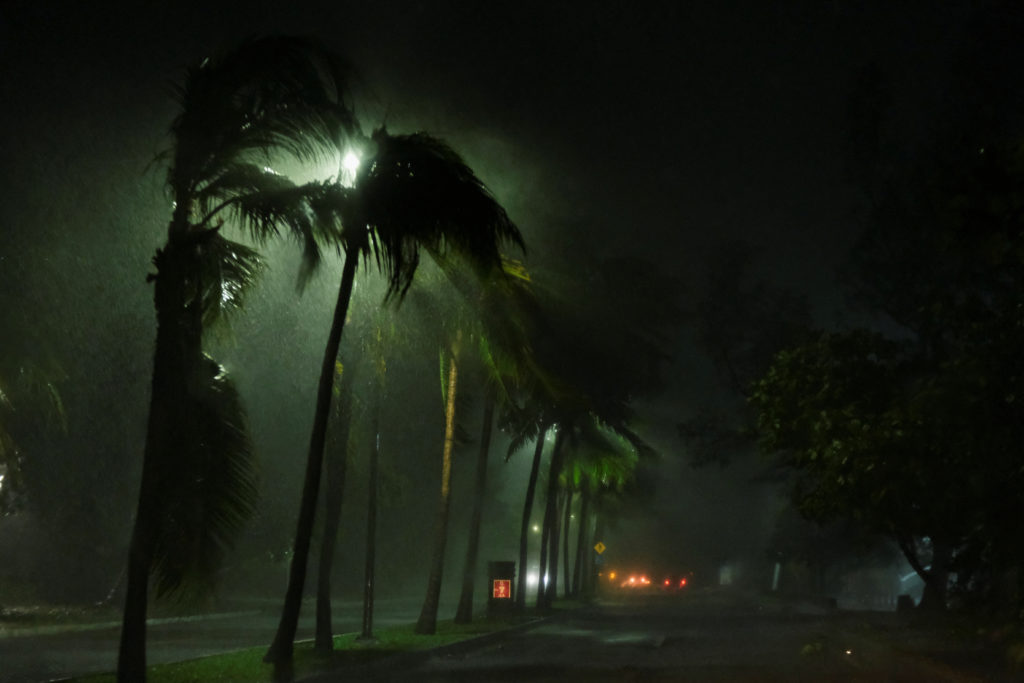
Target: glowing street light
{"points": [[351, 162], [349, 167]]}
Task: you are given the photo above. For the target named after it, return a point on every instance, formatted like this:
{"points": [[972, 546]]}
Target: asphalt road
{"points": [[694, 638], [40, 655]]}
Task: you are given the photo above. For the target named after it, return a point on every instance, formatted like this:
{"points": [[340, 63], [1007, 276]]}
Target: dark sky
{"points": [[654, 129], [658, 128]]}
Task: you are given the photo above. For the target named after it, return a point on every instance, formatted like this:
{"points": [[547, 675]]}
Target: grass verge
{"points": [[246, 666]]}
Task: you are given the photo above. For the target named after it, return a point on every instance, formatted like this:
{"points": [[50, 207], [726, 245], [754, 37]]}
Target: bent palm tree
{"points": [[603, 460], [411, 192], [268, 96]]}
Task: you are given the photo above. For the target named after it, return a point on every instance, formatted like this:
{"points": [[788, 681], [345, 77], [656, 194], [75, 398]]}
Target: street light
{"points": [[349, 167]]}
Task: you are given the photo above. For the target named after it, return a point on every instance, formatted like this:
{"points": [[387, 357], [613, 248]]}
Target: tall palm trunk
{"points": [[549, 554], [524, 528], [566, 559], [591, 576], [581, 537], [176, 358], [542, 562], [281, 649], [371, 526], [551, 589], [427, 623], [464, 612], [335, 467]]}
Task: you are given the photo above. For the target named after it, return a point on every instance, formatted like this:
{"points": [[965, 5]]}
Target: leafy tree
{"points": [[267, 96], [878, 433]]}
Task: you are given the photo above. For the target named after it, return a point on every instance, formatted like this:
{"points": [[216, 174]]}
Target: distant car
{"points": [[676, 582], [635, 581]]}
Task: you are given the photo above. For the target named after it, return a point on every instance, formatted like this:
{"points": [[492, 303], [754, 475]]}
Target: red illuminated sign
{"points": [[502, 588]]}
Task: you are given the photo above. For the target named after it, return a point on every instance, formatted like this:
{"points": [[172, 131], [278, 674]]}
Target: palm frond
{"points": [[416, 192], [273, 93], [311, 213], [210, 491], [229, 270], [521, 426]]}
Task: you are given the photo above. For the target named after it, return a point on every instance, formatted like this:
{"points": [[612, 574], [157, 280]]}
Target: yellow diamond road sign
{"points": [[600, 547]]}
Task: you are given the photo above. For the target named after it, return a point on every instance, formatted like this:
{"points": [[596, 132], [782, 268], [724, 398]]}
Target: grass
{"points": [[246, 666]]}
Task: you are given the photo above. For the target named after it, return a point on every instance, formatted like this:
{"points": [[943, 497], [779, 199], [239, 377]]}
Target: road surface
{"points": [[697, 638], [31, 656]]}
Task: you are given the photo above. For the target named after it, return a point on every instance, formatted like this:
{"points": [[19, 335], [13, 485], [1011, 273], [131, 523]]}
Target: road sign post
{"points": [[501, 575]]}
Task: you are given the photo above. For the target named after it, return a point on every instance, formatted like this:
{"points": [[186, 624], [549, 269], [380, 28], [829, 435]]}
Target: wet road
{"points": [[30, 658], [696, 638]]}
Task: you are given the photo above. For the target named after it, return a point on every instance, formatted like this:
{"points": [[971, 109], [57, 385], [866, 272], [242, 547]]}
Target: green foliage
{"points": [[209, 492], [600, 458], [918, 435], [838, 411], [228, 271], [414, 192], [275, 93]]}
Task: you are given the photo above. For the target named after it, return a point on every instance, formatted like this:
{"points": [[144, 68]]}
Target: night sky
{"points": [[658, 130]]}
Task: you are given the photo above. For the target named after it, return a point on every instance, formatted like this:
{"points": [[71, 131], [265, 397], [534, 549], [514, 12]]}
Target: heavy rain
{"points": [[511, 341]]}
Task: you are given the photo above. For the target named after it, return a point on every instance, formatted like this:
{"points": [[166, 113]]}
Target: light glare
{"points": [[351, 162]]}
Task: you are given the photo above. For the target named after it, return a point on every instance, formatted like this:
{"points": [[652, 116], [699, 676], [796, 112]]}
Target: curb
{"points": [[417, 657]]}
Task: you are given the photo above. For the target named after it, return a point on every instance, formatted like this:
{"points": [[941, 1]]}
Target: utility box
{"points": [[501, 579]]}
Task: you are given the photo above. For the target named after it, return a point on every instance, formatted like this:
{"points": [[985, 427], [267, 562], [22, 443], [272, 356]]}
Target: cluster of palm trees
{"points": [[242, 113]]}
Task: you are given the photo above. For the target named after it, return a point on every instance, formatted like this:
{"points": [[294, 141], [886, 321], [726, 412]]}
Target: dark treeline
{"points": [[897, 427]]}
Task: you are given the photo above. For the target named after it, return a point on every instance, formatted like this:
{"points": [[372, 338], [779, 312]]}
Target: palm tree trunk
{"points": [[281, 649], [427, 623], [581, 537], [464, 612], [598, 533], [336, 466], [551, 589], [371, 528], [177, 355], [524, 529], [566, 559], [549, 554], [542, 562]]}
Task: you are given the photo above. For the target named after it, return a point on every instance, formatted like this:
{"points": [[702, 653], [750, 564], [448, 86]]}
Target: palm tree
{"points": [[383, 338], [538, 431], [505, 308], [578, 424], [604, 460], [464, 611], [268, 96], [411, 192], [493, 315], [543, 391], [335, 468], [450, 363]]}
